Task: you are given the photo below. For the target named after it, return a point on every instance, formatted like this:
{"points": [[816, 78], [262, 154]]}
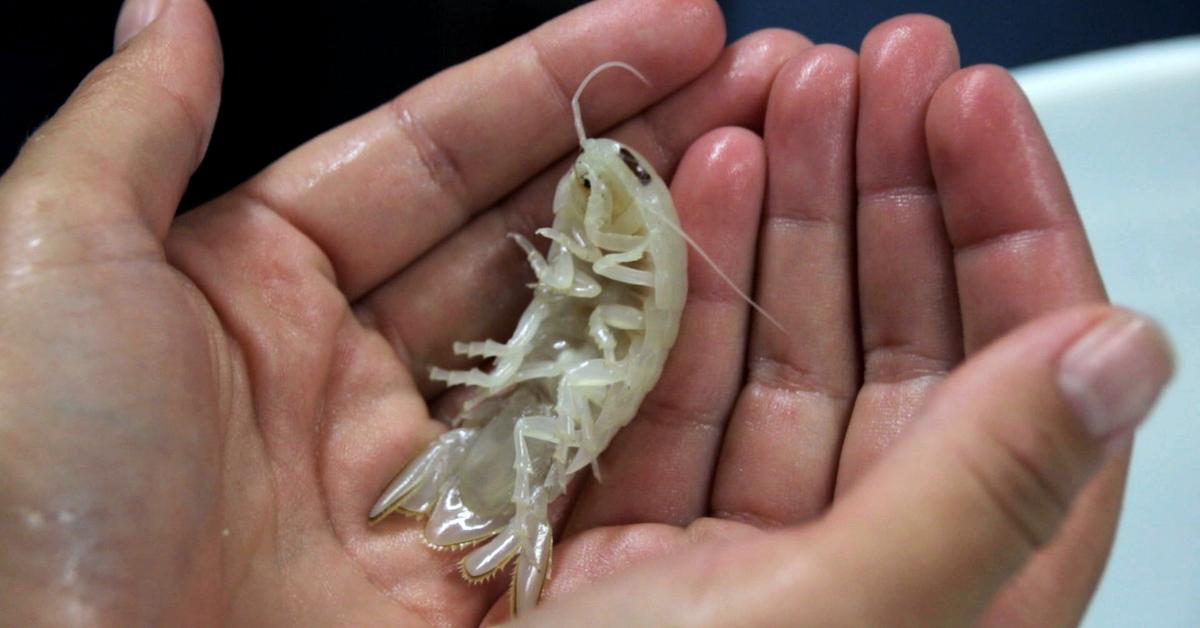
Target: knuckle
{"points": [[890, 361], [149, 95], [780, 41], [777, 373], [441, 165]]}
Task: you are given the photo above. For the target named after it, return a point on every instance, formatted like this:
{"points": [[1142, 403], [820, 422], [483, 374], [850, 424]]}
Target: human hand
{"points": [[909, 224], [198, 415], [199, 412]]}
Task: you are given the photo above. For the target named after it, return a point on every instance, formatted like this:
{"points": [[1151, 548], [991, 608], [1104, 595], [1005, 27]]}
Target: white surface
{"points": [[1126, 125]]}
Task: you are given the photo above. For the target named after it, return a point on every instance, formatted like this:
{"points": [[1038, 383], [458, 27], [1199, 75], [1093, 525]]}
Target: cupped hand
{"points": [[199, 412], [939, 433]]}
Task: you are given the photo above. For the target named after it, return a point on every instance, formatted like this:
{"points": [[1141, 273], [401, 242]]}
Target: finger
{"points": [[120, 151], [1019, 245], [377, 192], [1020, 251], [658, 468], [436, 301], [1055, 587], [938, 526], [779, 457], [1014, 435], [909, 314]]}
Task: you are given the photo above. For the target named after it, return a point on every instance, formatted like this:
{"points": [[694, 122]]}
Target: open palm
{"points": [[236, 386]]}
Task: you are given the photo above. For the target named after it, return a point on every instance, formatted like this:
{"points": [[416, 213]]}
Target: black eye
{"points": [[587, 183], [643, 177]]}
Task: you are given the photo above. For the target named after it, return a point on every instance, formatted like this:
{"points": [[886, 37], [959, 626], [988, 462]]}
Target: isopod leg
{"points": [[558, 273], [613, 267], [575, 390], [612, 259], [531, 521], [533, 569], [509, 356], [605, 318], [485, 349], [498, 378], [541, 428], [582, 249]]}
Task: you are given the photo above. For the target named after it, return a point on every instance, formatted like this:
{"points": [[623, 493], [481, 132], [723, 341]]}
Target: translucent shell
{"points": [[590, 345]]}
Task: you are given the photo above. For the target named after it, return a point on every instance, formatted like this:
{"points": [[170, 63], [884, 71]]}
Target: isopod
{"points": [[590, 345]]}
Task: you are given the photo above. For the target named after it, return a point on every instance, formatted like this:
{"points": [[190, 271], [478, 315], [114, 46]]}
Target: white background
{"points": [[1126, 125]]}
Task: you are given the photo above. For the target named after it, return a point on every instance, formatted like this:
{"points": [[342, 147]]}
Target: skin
{"points": [[198, 412]]}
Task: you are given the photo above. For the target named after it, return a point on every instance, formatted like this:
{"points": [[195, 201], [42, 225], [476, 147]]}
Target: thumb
{"points": [[121, 150], [990, 473], [938, 525]]}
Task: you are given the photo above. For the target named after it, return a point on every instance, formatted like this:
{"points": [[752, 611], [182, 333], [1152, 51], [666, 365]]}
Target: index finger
{"points": [[377, 192]]}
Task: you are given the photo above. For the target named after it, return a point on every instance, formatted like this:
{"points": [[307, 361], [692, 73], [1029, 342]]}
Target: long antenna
{"points": [[712, 264], [579, 131], [587, 79]]}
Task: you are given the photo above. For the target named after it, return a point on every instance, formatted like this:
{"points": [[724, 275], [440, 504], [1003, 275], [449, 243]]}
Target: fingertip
{"points": [[134, 17], [703, 17], [901, 64], [179, 48], [698, 26], [732, 143], [721, 180], [1014, 453], [732, 91], [810, 131], [132, 133], [1112, 375], [974, 99], [823, 75], [754, 61], [767, 50], [670, 42], [993, 162], [667, 40], [887, 37], [742, 78], [817, 65], [891, 47], [781, 38], [179, 28], [718, 190], [729, 161]]}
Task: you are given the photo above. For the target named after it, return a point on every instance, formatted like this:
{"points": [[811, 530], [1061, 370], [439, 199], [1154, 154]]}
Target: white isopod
{"points": [[587, 349]]}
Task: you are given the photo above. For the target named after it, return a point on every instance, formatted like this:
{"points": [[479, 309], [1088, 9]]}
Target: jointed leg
{"points": [[576, 392], [612, 266], [509, 356], [607, 317]]}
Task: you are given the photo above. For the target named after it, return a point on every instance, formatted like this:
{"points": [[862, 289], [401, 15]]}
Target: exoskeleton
{"points": [[587, 349]]}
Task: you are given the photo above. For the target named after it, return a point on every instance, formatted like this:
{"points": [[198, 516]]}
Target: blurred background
{"points": [[297, 67], [1125, 123]]}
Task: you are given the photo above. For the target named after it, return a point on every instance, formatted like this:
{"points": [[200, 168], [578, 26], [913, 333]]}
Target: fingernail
{"points": [[135, 15], [1112, 375]]}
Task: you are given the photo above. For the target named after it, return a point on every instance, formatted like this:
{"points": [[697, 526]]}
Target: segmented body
{"points": [[586, 351]]}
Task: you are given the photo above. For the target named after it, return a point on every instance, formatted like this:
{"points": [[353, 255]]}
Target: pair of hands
{"points": [[198, 412]]}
